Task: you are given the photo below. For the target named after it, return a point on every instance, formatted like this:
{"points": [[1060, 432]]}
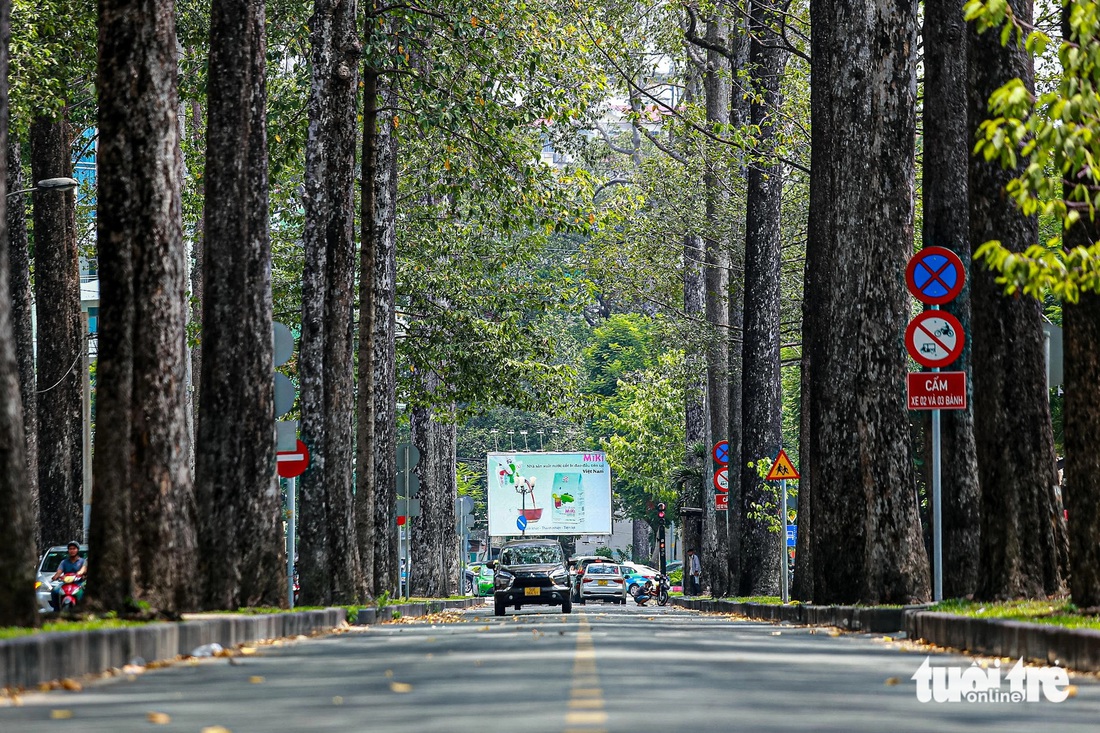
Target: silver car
{"points": [[603, 581], [47, 566]]}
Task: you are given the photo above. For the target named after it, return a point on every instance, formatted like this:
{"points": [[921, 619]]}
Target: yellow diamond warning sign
{"points": [[782, 469]]}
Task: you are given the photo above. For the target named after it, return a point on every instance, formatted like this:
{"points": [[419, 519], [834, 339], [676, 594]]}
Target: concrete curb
{"points": [[1074, 648], [871, 619], [1077, 649], [392, 611], [30, 660]]}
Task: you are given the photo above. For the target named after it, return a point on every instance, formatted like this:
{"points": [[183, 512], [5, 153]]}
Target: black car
{"points": [[531, 571]]}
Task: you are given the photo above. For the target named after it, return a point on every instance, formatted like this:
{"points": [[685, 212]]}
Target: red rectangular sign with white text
{"points": [[936, 390], [721, 502]]}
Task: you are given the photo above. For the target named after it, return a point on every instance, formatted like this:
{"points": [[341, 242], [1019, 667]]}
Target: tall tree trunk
{"points": [[57, 304], [376, 456], [1081, 321], [330, 568], [433, 534], [22, 317], [867, 542], [1022, 534], [240, 532], [716, 275], [144, 502], [17, 519], [946, 224], [641, 542], [763, 401]]}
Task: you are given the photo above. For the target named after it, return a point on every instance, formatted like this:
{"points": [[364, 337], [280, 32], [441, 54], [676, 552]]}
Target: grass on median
{"points": [[1055, 612], [78, 624]]}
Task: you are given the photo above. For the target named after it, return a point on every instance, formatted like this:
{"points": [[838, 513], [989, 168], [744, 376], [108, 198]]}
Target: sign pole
{"points": [[290, 529], [937, 506], [783, 542]]}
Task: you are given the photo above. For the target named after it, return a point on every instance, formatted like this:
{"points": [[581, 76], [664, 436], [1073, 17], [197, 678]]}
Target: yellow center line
{"points": [[586, 706]]}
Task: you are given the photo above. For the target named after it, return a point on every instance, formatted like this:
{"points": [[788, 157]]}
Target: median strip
{"points": [[586, 705]]}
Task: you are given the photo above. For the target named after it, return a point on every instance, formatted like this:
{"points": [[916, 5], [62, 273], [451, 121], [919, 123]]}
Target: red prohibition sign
{"points": [[935, 338]]}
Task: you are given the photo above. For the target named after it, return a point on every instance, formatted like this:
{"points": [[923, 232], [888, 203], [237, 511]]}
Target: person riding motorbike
{"points": [[652, 588], [75, 565]]}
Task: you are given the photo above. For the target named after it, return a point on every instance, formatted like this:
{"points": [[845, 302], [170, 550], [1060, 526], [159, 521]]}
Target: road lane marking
{"points": [[586, 705]]}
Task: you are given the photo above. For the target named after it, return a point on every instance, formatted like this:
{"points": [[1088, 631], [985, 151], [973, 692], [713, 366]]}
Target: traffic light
{"points": [[661, 510]]}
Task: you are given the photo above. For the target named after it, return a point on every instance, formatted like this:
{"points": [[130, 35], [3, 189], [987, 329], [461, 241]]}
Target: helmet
{"points": [[73, 544]]}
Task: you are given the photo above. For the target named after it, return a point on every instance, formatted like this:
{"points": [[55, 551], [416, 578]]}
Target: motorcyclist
{"points": [[74, 564], [647, 591]]}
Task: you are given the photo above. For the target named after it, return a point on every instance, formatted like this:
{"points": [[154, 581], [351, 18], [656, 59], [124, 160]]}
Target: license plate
{"points": [[531, 591], [602, 582]]}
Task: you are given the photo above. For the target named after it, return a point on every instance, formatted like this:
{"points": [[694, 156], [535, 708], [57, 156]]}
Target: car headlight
{"points": [[502, 579], [38, 584], [560, 577]]}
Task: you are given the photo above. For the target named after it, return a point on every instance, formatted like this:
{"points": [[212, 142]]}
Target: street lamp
{"points": [[50, 184], [511, 440], [540, 432], [524, 434], [496, 439]]}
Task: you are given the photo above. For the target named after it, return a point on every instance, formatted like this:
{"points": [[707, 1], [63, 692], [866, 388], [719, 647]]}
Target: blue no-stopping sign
{"points": [[935, 275]]}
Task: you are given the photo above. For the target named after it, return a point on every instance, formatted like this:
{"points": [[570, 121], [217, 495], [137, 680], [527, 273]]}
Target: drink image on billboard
{"points": [[554, 493]]}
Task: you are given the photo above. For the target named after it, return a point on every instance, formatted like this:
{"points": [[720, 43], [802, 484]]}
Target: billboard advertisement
{"points": [[549, 493]]}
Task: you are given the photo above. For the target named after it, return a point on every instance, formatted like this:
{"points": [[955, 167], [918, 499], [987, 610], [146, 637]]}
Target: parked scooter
{"points": [[655, 588], [67, 593]]}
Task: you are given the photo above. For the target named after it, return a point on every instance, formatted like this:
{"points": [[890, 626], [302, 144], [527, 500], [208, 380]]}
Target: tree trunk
{"points": [[144, 502], [946, 224], [22, 317], [17, 518], [641, 542], [198, 247], [57, 304], [867, 542], [376, 459], [763, 401], [1081, 321], [1022, 534], [240, 533], [433, 572], [329, 566], [716, 558]]}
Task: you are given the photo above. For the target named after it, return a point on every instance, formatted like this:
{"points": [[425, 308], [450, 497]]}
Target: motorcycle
{"points": [[67, 593], [656, 587]]}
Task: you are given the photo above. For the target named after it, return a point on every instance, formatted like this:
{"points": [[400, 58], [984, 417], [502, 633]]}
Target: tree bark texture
{"points": [[946, 224], [641, 541], [433, 551], [240, 532], [17, 518], [22, 318], [57, 304], [377, 459], [329, 559], [866, 535], [1081, 321], [716, 275], [1022, 534], [198, 247], [142, 476], [762, 408], [695, 391]]}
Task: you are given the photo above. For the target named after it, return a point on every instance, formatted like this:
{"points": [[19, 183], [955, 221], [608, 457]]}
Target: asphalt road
{"points": [[602, 669]]}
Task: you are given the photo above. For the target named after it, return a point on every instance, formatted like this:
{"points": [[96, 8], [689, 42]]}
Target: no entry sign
{"points": [[935, 275], [934, 338], [292, 463]]}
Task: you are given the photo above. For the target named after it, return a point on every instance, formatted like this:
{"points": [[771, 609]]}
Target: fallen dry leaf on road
{"points": [[61, 714], [337, 700], [159, 718], [71, 685], [389, 674], [776, 633], [891, 681], [215, 729], [401, 687], [256, 679], [1071, 691], [248, 651]]}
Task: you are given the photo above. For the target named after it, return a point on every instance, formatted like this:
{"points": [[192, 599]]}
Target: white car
{"points": [[603, 581]]}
